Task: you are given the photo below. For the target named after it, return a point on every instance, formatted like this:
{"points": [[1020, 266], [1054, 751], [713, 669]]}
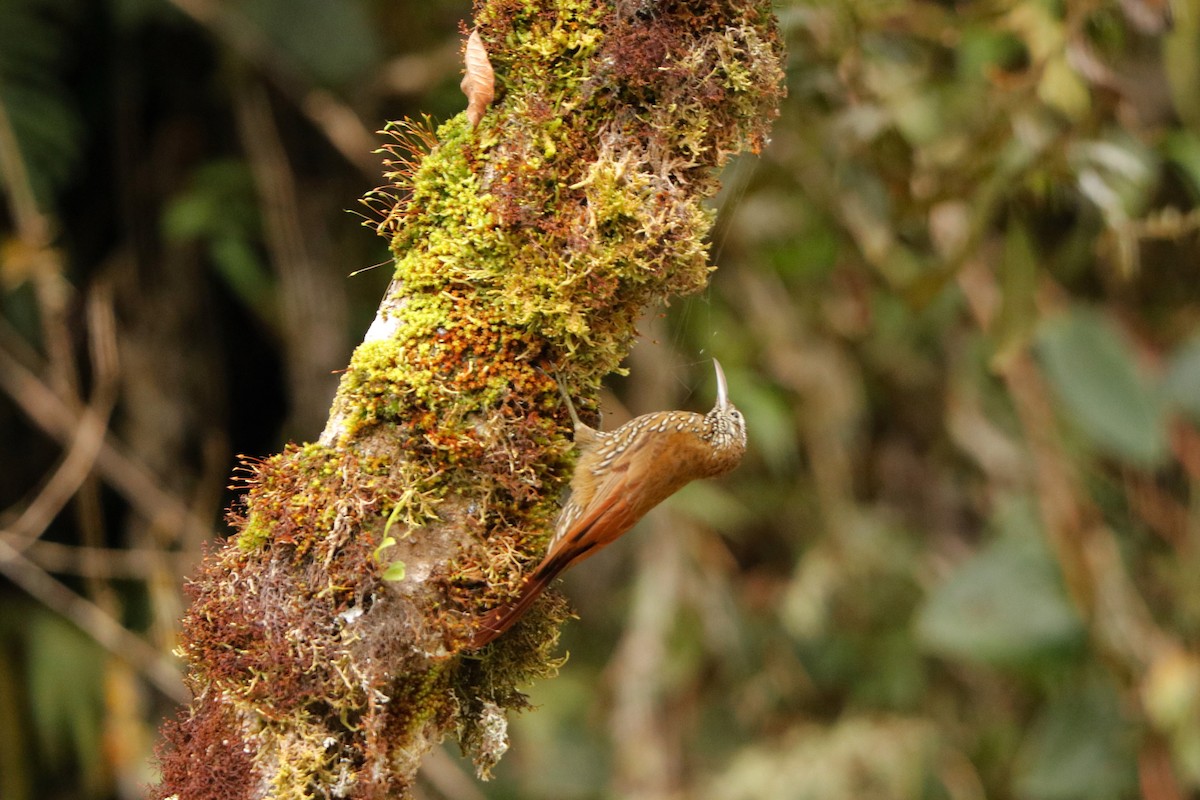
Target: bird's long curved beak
{"points": [[722, 387]]}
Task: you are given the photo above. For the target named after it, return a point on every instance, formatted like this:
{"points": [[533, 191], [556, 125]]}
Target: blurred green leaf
{"points": [[1006, 607], [220, 208], [17, 762], [568, 759], [866, 208], [336, 43], [712, 503], [219, 200], [1093, 371], [129, 14], [35, 53], [1115, 172], [1080, 748], [1181, 386], [1063, 88], [238, 261], [1182, 148], [884, 757], [66, 694], [770, 426], [1018, 314], [982, 50], [1181, 64]]}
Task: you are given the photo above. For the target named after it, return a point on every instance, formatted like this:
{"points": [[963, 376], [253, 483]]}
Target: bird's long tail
{"points": [[501, 618]]}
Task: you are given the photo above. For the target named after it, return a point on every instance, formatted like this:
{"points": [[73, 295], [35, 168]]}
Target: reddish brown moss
{"points": [[203, 756]]}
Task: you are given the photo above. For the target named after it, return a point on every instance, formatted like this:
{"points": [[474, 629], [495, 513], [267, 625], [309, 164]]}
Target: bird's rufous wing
{"points": [[613, 509]]}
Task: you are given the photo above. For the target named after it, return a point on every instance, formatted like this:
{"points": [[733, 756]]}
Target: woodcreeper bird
{"points": [[618, 478]]}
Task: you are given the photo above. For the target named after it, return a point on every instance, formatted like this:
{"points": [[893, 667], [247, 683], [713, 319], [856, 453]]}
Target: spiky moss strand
{"points": [[525, 247]]}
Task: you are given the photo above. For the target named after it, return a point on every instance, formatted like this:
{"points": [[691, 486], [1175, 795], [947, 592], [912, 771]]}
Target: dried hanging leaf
{"points": [[479, 82]]}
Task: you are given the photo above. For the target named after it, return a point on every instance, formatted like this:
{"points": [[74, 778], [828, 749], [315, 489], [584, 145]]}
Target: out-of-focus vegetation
{"points": [[958, 303]]}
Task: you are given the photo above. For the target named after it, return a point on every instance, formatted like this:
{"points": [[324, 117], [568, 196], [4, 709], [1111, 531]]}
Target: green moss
{"points": [[254, 533], [425, 698]]}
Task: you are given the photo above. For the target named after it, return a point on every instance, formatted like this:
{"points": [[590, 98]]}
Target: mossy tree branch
{"points": [[324, 640]]}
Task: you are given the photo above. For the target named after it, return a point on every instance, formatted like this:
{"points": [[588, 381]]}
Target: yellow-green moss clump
{"points": [[323, 641]]}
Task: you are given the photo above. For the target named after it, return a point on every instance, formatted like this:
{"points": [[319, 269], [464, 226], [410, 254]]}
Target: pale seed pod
{"points": [[479, 81]]}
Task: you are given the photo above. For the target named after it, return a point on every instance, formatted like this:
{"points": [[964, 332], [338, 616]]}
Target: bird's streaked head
{"points": [[726, 429]]}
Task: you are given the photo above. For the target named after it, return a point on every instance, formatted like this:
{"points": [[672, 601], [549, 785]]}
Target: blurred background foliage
{"points": [[958, 301]]}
